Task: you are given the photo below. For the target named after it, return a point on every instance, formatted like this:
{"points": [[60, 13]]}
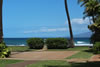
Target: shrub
{"points": [[95, 38], [56, 43], [35, 43], [4, 52], [96, 48]]}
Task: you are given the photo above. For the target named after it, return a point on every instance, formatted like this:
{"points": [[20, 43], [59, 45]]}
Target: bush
{"points": [[4, 52], [56, 43], [96, 48], [35, 43], [95, 38]]}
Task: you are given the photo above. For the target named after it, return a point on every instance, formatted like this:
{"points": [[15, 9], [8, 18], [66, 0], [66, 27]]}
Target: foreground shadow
{"points": [[87, 64], [89, 50]]}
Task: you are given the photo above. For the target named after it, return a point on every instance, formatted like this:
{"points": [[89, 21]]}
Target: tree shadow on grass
{"points": [[89, 50], [87, 64], [55, 66]]}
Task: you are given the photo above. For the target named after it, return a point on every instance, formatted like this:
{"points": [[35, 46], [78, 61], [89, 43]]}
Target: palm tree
{"points": [[92, 8], [70, 28], [1, 31]]}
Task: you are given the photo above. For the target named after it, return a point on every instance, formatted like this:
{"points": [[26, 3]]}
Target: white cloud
{"points": [[80, 21], [62, 29], [47, 30], [53, 29], [32, 31]]}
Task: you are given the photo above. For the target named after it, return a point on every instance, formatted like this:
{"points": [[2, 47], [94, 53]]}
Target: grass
{"points": [[26, 48], [3, 63], [64, 64], [49, 64], [19, 48], [70, 49], [81, 55], [79, 48]]}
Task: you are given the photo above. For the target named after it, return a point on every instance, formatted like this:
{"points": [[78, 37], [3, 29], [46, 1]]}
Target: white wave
{"points": [[17, 45], [83, 44], [80, 42]]}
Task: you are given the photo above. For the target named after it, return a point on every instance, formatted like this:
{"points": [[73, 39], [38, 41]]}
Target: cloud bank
{"points": [[75, 21], [80, 21], [44, 29]]}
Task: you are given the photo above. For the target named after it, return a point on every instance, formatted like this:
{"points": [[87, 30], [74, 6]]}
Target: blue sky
{"points": [[42, 18]]}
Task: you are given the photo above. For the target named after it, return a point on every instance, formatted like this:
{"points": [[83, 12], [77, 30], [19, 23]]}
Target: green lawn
{"points": [[81, 55], [71, 49], [3, 63], [50, 64], [26, 48], [78, 48], [64, 64], [19, 48]]}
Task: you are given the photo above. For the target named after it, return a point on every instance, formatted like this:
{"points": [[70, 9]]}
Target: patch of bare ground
{"points": [[42, 55]]}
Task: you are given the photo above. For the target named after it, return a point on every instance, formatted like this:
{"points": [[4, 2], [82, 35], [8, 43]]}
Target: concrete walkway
{"points": [[95, 58], [42, 55]]}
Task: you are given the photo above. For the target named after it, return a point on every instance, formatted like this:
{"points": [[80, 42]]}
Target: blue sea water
{"points": [[22, 41], [15, 41], [82, 42]]}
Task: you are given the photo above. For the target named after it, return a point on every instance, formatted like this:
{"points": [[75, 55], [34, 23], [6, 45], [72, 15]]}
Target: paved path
{"points": [[21, 64], [95, 58], [42, 55]]}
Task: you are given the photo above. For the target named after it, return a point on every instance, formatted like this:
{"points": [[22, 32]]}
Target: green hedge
{"points": [[4, 52], [35, 43], [96, 48], [56, 43]]}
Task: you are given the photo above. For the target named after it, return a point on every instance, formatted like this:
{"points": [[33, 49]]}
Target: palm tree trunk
{"points": [[70, 28], [93, 19], [1, 30]]}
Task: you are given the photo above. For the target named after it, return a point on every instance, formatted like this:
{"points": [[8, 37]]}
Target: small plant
{"points": [[56, 43], [4, 52], [35, 43], [96, 48]]}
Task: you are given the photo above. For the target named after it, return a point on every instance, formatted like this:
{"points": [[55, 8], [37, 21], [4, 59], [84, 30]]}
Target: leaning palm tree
{"points": [[1, 31], [70, 28]]}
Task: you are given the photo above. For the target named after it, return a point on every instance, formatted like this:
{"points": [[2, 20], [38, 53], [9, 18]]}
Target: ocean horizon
{"points": [[22, 41]]}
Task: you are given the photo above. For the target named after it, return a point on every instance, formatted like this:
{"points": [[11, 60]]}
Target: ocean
{"points": [[22, 41]]}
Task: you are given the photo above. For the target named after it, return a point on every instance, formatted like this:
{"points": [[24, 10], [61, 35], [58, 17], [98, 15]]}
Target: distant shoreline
{"points": [[22, 41], [43, 37], [77, 45]]}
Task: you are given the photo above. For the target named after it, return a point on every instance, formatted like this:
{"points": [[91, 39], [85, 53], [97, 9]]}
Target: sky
{"points": [[42, 18]]}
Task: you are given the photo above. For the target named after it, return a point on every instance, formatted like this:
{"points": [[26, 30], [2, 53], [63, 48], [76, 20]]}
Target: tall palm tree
{"points": [[92, 8], [1, 30], [70, 28]]}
